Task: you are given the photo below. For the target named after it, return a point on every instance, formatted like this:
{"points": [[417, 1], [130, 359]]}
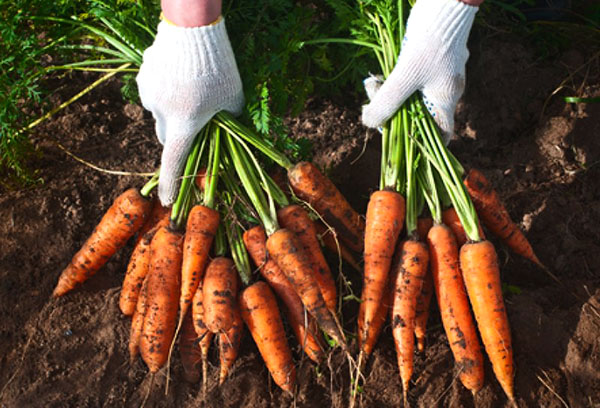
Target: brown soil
{"points": [[541, 154]]}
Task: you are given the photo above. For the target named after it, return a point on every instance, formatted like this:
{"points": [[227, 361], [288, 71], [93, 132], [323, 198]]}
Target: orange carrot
{"points": [[412, 267], [288, 254], [450, 219], [327, 237], [311, 185], [201, 178], [139, 263], [229, 345], [495, 217], [125, 216], [378, 321], [423, 226], [137, 322], [202, 332], [481, 274], [261, 314], [220, 289], [255, 242], [454, 307], [385, 217], [422, 311], [163, 292], [189, 351], [295, 219]]}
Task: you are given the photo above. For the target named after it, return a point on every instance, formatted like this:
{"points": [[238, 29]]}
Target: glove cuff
{"points": [[449, 20]]}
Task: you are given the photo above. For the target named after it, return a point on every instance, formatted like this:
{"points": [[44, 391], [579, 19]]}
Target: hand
{"points": [[433, 58], [187, 76]]}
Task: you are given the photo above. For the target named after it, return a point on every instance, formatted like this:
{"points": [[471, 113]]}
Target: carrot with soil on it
{"points": [[220, 289], [229, 345], [255, 240], [124, 218], [137, 321], [189, 351], [495, 217], [422, 310], [451, 220], [259, 311], [204, 335]]}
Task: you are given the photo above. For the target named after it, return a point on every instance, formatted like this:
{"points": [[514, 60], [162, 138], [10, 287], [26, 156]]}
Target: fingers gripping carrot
{"points": [[311, 185], [190, 353], [255, 241], [125, 216], [287, 252], [385, 217], [479, 264], [138, 266], [413, 264], [495, 217], [229, 345], [454, 307], [137, 322], [220, 289], [163, 292], [294, 218], [261, 314]]}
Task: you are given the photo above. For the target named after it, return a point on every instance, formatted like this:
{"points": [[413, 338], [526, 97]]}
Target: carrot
{"points": [[450, 218], [424, 224], [125, 216], [295, 219], [288, 254], [481, 274], [220, 289], [495, 217], [454, 306], [189, 351], [255, 242], [412, 266], [385, 217], [201, 227], [202, 332], [138, 266], [422, 311], [229, 345], [311, 185], [377, 323], [137, 322], [327, 237], [201, 178], [259, 311], [163, 293]]}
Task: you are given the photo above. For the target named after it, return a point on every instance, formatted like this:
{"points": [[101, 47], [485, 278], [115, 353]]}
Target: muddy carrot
{"points": [[450, 219], [125, 216], [312, 186], [137, 322], [423, 226], [288, 254], [412, 267], [204, 335], [220, 289], [189, 350], [495, 217], [481, 274], [377, 323], [296, 219], [255, 241], [229, 345], [163, 294], [385, 217], [259, 311], [454, 307], [422, 311]]}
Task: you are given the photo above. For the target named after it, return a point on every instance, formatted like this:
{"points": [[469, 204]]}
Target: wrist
{"points": [[191, 13]]}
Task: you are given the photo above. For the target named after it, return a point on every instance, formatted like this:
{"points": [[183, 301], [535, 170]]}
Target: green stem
{"points": [[150, 185], [212, 170]]}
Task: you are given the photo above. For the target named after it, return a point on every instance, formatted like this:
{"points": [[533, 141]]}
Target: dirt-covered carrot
{"points": [[139, 263], [423, 226], [124, 218], [495, 217], [412, 267], [336, 247], [288, 254], [296, 219], [312, 186], [422, 311], [259, 311], [229, 345], [378, 322], [255, 241], [189, 350], [163, 294], [220, 289], [454, 307], [204, 335], [450, 219], [481, 274], [385, 217], [137, 322]]}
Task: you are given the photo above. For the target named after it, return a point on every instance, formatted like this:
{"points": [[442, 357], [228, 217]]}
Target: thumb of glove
{"points": [[441, 102]]}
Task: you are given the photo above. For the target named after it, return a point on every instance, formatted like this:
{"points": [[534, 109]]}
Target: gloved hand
{"points": [[187, 76], [432, 60]]}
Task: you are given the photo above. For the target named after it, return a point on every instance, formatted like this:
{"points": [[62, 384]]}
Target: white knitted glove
{"points": [[187, 76], [432, 60]]}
